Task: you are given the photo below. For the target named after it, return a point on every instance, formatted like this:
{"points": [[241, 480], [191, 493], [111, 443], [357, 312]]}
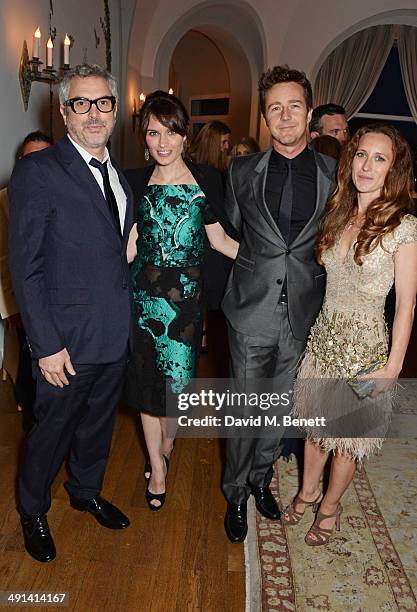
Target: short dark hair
{"points": [[169, 111], [324, 109], [249, 143], [329, 145], [37, 136], [283, 74], [221, 127]]}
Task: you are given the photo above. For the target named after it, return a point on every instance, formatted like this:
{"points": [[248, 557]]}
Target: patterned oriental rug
{"points": [[369, 566]]}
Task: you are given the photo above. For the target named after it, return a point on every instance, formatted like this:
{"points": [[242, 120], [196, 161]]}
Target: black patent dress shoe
{"points": [[38, 540], [103, 511], [266, 503], [235, 522]]}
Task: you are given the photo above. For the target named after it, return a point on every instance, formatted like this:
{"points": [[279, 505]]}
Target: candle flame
{"points": [[170, 91], [50, 44], [142, 97], [38, 33], [67, 40]]}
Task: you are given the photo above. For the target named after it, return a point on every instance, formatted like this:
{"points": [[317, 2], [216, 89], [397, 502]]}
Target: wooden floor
{"points": [[178, 559]]}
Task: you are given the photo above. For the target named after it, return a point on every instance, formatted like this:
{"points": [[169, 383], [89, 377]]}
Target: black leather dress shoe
{"points": [[103, 511], [38, 540], [235, 522], [266, 503]]}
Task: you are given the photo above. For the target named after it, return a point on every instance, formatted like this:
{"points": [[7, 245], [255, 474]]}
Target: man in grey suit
{"points": [[274, 201]]}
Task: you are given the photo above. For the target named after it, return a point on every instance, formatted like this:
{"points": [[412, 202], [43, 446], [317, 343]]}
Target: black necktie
{"points": [[108, 191], [285, 209]]}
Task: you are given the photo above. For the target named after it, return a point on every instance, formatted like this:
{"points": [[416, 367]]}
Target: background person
{"points": [[330, 119], [211, 146], [246, 146], [17, 359], [327, 145]]}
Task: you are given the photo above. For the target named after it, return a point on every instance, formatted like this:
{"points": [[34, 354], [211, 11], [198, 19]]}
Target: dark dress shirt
{"points": [[304, 188]]}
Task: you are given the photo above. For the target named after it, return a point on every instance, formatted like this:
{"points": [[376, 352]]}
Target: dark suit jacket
{"points": [[264, 259], [67, 260], [216, 267]]}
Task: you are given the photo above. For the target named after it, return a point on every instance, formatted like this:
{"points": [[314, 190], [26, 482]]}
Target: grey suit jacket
{"points": [[264, 259]]}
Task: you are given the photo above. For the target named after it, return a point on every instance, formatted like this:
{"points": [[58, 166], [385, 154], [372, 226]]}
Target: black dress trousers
{"points": [[78, 420]]}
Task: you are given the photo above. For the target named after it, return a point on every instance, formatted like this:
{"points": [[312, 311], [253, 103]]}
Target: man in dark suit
{"points": [[274, 200], [70, 217]]}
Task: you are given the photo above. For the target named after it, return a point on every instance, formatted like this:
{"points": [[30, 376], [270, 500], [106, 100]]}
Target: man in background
{"points": [[330, 120], [17, 361]]}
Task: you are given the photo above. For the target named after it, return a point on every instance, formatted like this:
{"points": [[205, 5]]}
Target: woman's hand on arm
{"points": [[220, 241], [131, 250]]}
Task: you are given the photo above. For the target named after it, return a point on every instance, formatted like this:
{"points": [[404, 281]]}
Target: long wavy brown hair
{"points": [[205, 148], [384, 214]]}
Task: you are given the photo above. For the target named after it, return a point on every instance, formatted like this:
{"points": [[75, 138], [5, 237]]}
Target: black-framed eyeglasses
{"points": [[80, 106]]}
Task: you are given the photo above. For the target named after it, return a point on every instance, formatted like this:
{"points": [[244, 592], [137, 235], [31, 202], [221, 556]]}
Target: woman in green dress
{"points": [[176, 202]]}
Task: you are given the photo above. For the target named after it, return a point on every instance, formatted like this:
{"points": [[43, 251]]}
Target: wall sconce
{"points": [[136, 111], [29, 70]]}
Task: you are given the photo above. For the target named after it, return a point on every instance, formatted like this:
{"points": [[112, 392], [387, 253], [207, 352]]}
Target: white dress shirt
{"points": [[118, 191]]}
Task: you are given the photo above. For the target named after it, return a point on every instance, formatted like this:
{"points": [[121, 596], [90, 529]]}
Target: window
{"points": [[210, 106], [207, 108], [388, 102]]}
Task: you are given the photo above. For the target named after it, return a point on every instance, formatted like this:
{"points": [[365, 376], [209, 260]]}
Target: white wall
{"points": [[18, 20], [301, 33], [145, 34]]}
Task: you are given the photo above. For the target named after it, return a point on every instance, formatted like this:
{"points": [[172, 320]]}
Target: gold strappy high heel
{"points": [[323, 535], [295, 517]]}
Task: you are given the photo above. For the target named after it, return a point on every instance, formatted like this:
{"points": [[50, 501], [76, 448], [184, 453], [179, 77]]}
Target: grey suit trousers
{"points": [[249, 460]]}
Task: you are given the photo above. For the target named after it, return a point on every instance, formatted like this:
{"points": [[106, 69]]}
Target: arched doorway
{"points": [[233, 27], [222, 86]]}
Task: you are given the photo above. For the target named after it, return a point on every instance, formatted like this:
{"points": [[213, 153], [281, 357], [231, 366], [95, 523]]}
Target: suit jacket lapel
{"points": [[77, 168], [258, 181], [323, 184]]}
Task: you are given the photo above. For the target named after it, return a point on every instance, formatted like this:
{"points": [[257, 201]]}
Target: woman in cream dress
{"points": [[367, 241]]}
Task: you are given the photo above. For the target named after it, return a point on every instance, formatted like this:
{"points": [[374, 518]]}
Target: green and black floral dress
{"points": [[167, 292]]}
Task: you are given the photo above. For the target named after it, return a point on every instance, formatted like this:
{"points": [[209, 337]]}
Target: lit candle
{"points": [[67, 44], [170, 91], [142, 98], [49, 52], [36, 41]]}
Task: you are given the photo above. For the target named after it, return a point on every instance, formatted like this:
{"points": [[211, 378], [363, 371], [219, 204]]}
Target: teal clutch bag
{"points": [[363, 388]]}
